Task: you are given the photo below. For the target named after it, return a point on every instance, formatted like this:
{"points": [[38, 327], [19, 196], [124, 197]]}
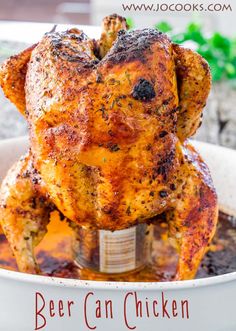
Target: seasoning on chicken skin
{"points": [[107, 136]]}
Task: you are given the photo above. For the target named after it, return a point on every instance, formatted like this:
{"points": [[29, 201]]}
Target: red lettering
{"points": [[155, 303], [164, 304], [147, 308], [108, 306], [138, 304], [70, 303], [60, 307], [125, 312], [184, 303], [38, 312], [98, 309], [51, 308], [174, 308], [85, 312]]}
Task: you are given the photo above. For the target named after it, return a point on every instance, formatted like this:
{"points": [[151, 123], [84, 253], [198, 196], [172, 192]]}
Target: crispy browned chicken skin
{"points": [[108, 127]]}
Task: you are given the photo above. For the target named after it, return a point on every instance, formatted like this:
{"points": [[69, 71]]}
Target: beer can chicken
{"points": [[109, 122]]}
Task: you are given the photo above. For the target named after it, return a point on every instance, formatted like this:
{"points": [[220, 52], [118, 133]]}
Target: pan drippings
{"points": [[55, 255]]}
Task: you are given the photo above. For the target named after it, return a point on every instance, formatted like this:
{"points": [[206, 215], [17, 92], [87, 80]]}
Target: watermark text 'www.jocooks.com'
{"points": [[178, 7]]}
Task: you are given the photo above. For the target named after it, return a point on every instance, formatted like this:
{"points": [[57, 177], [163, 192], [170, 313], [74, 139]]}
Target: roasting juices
{"points": [[57, 257]]}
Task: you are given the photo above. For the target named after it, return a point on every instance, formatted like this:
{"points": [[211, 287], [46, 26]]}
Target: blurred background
{"points": [[211, 32]]}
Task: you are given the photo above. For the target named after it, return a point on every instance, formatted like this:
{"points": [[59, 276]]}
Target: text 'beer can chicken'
{"points": [[109, 122]]}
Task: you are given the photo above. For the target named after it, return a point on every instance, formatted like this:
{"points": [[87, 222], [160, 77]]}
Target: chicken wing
{"points": [[194, 83], [111, 26], [12, 78]]}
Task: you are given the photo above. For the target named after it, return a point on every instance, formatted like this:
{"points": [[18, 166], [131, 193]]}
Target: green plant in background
{"points": [[217, 49], [130, 22], [163, 27]]}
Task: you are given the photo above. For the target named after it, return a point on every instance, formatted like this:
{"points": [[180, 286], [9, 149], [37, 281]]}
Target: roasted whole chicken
{"points": [[109, 122]]}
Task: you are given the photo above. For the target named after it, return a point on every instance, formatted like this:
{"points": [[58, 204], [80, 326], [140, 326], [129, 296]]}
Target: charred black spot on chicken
{"points": [[143, 90]]}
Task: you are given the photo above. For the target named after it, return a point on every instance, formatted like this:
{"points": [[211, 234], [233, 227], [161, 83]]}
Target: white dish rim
{"points": [[108, 285]]}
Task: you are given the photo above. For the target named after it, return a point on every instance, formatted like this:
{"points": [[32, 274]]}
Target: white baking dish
{"points": [[202, 304]]}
